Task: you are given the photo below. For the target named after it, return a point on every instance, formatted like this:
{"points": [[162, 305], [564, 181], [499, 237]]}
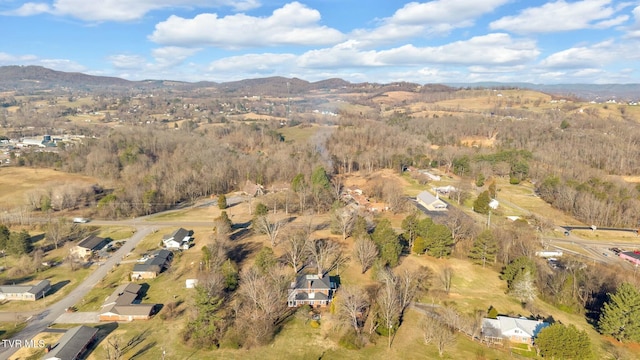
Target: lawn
{"points": [[62, 279]]}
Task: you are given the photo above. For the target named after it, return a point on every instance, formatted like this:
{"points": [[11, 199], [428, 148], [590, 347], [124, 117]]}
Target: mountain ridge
{"points": [[31, 77]]}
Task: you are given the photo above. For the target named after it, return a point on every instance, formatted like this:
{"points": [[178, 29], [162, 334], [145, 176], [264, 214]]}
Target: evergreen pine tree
{"points": [[387, 241], [484, 249], [222, 202], [564, 342], [620, 316], [481, 204]]}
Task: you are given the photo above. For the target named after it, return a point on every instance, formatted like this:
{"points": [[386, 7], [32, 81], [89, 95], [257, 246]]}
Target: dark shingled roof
{"points": [[92, 242], [72, 343], [177, 235], [313, 282], [156, 262]]}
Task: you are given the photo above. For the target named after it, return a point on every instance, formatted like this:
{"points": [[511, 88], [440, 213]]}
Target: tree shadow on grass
{"points": [[243, 233], [241, 251], [144, 349]]}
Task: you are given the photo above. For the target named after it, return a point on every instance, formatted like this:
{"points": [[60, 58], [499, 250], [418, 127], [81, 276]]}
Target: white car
{"points": [[80, 220]]}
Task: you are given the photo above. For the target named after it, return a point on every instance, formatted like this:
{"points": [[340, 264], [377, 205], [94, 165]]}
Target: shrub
{"points": [[351, 341]]}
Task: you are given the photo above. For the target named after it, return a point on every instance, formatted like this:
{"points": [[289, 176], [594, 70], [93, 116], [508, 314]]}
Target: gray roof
{"points": [[427, 198], [156, 262], [121, 301], [123, 294], [92, 242], [504, 324], [35, 289], [131, 309], [42, 286], [313, 282], [300, 295], [177, 235], [72, 343]]}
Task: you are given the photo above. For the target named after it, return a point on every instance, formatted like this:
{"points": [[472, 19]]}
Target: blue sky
{"points": [[439, 41]]}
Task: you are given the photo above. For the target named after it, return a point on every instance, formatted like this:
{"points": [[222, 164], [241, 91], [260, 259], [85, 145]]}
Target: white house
{"points": [[179, 239], [25, 292], [431, 202], [518, 330]]}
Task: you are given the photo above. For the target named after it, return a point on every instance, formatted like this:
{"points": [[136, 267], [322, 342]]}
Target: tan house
{"points": [[87, 246], [157, 262], [25, 292], [121, 305], [313, 290]]}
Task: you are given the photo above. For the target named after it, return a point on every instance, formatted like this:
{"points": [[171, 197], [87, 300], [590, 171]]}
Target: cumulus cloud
{"points": [[593, 56], [9, 59], [120, 10], [56, 64], [429, 18], [495, 49], [459, 13], [267, 62], [561, 16], [170, 56], [293, 24], [124, 61]]}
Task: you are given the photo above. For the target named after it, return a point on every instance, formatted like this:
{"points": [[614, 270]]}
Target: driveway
{"points": [[78, 318]]}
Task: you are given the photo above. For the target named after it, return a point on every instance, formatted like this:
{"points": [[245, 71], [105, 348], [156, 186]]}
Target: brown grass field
{"points": [[16, 182]]}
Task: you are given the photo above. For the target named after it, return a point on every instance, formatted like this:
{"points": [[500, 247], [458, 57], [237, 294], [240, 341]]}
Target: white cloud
{"points": [[458, 13], [123, 61], [9, 59], [494, 49], [425, 19], [293, 24], [55, 64], [121, 10], [584, 56], [560, 16], [170, 56], [62, 65], [260, 62]]}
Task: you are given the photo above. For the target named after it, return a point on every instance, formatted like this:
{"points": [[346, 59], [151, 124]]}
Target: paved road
{"points": [[42, 320]]}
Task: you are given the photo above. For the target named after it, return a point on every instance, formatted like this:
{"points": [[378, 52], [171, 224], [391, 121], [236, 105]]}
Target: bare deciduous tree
{"points": [[344, 219], [296, 247], [388, 301], [446, 276], [326, 253], [366, 252], [352, 304], [58, 230], [271, 228], [438, 334], [410, 283]]}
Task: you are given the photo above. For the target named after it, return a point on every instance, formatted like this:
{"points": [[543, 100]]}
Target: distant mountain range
{"points": [[38, 78]]}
